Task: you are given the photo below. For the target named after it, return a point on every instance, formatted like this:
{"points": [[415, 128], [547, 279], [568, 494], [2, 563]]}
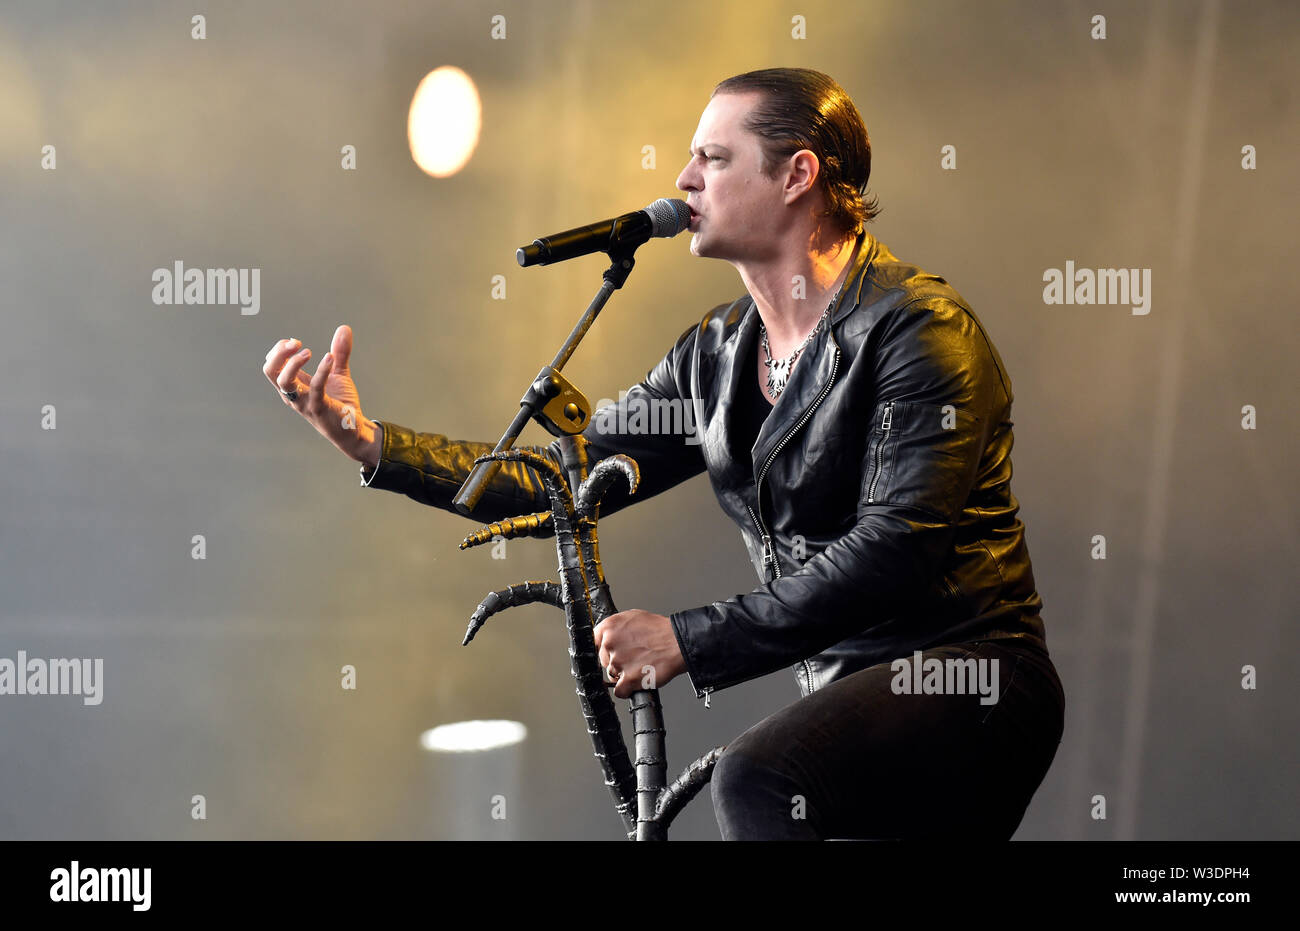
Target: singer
{"points": [[854, 418]]}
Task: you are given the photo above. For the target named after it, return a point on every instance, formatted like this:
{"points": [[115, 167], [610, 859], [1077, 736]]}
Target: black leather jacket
{"points": [[876, 503]]}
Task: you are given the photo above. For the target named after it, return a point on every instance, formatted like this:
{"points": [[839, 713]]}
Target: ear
{"points": [[802, 169]]}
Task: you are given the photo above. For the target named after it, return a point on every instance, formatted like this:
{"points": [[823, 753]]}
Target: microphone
{"points": [[665, 217]]}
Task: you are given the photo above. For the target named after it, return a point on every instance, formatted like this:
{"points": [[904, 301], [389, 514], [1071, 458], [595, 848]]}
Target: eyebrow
{"points": [[711, 145]]}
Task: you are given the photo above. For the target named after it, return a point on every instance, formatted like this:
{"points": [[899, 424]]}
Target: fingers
{"points": [[275, 358], [283, 362], [611, 670], [288, 378], [316, 389], [604, 656], [341, 348]]}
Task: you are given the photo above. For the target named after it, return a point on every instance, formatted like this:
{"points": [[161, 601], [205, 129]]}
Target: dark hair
{"points": [[805, 109]]}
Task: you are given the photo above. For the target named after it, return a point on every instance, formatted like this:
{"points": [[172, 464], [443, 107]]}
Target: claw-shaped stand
{"points": [[646, 805]]}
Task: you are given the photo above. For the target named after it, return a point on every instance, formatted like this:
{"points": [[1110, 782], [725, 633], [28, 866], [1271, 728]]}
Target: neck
{"points": [[788, 312]]}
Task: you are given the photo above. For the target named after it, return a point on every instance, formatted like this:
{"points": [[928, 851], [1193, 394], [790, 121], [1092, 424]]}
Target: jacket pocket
{"points": [[877, 448], [923, 456]]}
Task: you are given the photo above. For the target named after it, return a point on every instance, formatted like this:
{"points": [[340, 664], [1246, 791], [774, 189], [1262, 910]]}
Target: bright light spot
{"points": [[469, 736], [444, 123]]}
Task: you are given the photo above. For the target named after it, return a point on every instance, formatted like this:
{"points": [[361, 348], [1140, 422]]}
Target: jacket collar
{"points": [[867, 247]]}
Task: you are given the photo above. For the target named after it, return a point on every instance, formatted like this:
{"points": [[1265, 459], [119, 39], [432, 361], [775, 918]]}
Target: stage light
{"points": [[472, 736], [444, 122]]}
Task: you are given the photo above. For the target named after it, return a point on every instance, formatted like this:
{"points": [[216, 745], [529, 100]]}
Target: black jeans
{"points": [[857, 760]]}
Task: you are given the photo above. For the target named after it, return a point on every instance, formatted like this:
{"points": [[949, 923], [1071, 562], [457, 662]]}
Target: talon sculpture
{"points": [[644, 802]]}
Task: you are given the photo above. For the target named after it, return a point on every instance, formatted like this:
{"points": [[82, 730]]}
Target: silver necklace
{"points": [[778, 370]]}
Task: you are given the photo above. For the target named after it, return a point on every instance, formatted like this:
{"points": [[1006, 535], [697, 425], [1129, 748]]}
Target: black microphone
{"points": [[665, 217]]}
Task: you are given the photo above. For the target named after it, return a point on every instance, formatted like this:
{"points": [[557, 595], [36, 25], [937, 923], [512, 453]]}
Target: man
{"points": [[854, 419]]}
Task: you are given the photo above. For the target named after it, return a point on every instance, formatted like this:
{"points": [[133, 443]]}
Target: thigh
{"points": [[1020, 735], [878, 757]]}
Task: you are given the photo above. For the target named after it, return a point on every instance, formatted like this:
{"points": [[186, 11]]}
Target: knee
{"points": [[745, 775], [756, 799], [732, 774]]}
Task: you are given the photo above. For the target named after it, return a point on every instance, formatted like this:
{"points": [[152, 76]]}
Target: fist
{"points": [[639, 651]]}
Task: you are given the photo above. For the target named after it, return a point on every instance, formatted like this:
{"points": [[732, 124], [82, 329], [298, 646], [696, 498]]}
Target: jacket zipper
{"points": [[769, 551], [885, 423]]}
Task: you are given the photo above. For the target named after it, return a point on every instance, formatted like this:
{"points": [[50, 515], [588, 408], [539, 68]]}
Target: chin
{"points": [[700, 246]]}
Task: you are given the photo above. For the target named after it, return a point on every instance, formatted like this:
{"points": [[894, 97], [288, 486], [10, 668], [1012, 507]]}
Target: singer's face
{"points": [[735, 206]]}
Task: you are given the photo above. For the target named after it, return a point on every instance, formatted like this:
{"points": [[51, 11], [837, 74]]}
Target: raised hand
{"points": [[328, 400]]}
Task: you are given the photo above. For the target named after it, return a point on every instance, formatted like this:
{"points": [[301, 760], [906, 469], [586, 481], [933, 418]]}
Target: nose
{"points": [[687, 180]]}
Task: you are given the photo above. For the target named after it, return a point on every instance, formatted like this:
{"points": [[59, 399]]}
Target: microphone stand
{"points": [[642, 797], [572, 412], [644, 800]]}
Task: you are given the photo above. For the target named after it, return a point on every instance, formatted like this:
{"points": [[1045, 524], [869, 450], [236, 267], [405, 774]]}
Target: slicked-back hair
{"points": [[804, 109]]}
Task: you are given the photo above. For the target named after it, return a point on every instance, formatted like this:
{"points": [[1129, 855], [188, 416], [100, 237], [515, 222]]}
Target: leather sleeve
{"points": [[654, 423], [943, 388], [431, 468]]}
